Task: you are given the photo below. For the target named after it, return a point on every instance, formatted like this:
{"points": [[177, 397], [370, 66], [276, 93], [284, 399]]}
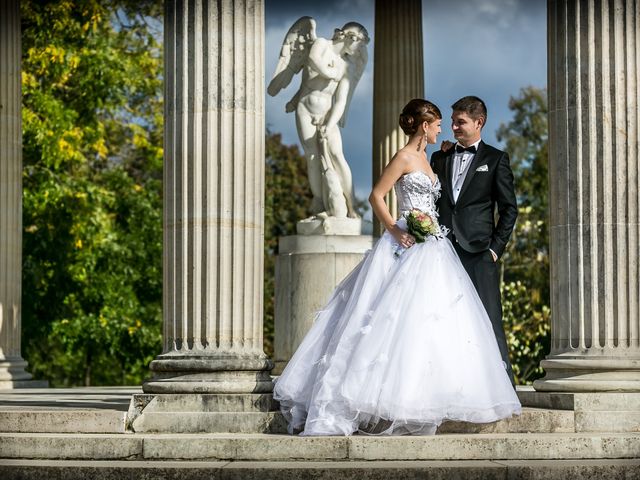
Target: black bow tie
{"points": [[471, 149]]}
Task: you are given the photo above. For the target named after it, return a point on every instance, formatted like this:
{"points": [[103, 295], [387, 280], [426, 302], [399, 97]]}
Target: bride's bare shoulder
{"points": [[403, 159]]}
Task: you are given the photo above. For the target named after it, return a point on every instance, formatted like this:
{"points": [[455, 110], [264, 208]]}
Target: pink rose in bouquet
{"points": [[421, 225]]}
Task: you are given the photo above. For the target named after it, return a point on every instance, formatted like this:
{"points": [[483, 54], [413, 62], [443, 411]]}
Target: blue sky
{"points": [[488, 48]]}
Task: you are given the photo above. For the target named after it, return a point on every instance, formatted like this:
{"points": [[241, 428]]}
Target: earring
{"points": [[423, 138]]}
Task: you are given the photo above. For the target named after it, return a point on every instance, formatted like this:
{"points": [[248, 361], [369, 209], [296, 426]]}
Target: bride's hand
{"points": [[446, 145], [405, 239]]}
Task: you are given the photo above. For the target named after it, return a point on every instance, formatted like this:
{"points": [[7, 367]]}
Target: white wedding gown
{"points": [[402, 344]]}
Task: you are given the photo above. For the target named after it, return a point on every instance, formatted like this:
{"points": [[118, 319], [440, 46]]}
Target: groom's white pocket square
{"points": [[482, 168]]}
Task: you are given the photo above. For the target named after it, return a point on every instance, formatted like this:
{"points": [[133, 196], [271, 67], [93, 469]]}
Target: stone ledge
{"points": [[179, 414], [375, 470], [309, 244], [509, 446], [265, 447], [69, 446], [20, 384]]}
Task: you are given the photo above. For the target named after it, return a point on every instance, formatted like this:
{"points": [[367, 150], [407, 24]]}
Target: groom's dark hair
{"points": [[472, 106]]}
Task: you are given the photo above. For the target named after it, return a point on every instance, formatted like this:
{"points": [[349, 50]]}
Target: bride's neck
{"points": [[417, 140]]}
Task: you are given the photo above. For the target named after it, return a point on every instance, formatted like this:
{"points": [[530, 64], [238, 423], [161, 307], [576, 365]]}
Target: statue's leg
{"points": [[307, 132], [342, 169]]}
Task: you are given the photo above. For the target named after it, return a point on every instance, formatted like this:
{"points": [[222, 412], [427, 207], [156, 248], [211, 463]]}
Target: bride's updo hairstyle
{"points": [[417, 111]]}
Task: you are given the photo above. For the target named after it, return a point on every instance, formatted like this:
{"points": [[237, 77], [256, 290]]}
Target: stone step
{"points": [[594, 411], [202, 402], [204, 413], [62, 421], [356, 470], [531, 420], [209, 422], [265, 447], [158, 421]]}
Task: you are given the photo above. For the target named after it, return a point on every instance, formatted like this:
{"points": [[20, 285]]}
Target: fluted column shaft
{"points": [[12, 366], [213, 199], [594, 92], [398, 76]]}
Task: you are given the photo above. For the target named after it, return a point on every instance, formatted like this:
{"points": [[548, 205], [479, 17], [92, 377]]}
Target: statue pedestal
{"points": [[331, 226], [308, 269]]}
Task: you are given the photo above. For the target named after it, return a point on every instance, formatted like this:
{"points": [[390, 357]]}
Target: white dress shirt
{"points": [[461, 162]]}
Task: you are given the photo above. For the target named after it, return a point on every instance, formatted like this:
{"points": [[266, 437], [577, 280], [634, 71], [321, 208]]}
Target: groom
{"points": [[476, 178]]}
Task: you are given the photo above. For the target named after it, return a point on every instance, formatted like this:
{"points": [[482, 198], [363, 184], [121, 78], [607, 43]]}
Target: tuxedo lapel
{"points": [[448, 166], [472, 168]]}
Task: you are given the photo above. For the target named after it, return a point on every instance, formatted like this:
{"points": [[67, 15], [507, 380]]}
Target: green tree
{"points": [[92, 129], [525, 269], [288, 199]]}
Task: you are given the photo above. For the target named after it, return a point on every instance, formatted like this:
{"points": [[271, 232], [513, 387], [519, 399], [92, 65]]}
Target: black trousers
{"points": [[484, 274]]}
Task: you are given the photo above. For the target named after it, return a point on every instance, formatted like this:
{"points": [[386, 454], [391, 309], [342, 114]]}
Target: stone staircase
{"points": [[91, 435]]}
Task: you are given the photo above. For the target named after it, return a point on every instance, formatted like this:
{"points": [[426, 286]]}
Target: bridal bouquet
{"points": [[420, 225]]}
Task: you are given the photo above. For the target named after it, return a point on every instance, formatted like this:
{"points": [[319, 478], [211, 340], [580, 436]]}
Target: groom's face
{"points": [[466, 130]]}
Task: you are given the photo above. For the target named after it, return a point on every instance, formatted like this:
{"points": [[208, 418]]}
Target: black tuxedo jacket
{"points": [[471, 218]]}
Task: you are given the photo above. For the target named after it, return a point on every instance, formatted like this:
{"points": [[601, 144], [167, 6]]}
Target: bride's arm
{"points": [[390, 175]]}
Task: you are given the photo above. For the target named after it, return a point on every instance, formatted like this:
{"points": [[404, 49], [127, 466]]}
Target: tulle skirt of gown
{"points": [[402, 344]]}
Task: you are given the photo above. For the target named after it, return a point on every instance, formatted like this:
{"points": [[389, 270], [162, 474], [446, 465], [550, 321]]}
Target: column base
{"points": [[13, 374], [589, 374], [177, 372], [205, 413], [593, 412]]}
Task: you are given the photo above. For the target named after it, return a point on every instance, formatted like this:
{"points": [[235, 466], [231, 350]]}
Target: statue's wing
{"points": [[358, 63], [294, 53]]}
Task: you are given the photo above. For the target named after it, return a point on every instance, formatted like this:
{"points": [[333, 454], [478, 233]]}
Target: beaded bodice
{"points": [[416, 190]]}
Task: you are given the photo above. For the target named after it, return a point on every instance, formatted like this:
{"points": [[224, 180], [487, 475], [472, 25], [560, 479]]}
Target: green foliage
{"points": [[525, 274], [92, 130], [288, 199], [92, 134]]}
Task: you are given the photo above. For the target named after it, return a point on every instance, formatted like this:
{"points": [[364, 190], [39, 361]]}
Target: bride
{"points": [[404, 342]]}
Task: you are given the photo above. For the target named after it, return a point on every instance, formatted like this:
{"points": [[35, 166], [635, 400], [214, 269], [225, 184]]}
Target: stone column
{"points": [[594, 92], [398, 76], [12, 365], [213, 200]]}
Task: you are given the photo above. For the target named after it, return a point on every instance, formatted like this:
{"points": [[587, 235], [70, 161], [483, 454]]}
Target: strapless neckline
{"points": [[433, 182]]}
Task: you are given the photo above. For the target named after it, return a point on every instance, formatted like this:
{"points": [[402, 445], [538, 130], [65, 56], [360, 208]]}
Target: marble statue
{"points": [[331, 70]]}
